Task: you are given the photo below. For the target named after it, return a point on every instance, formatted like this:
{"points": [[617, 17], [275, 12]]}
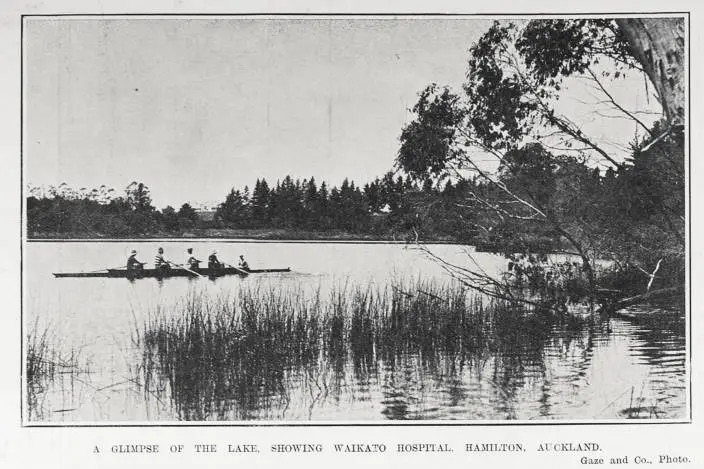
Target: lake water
{"points": [[601, 369]]}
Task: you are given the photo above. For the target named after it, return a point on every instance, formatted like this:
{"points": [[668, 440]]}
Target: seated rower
{"points": [[133, 263], [243, 263], [213, 262], [192, 262], [160, 262]]}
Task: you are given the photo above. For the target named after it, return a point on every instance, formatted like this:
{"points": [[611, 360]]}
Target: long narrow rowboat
{"points": [[173, 272]]}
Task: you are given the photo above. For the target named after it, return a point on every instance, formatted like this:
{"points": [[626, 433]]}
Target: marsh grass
{"points": [[46, 361], [224, 357]]}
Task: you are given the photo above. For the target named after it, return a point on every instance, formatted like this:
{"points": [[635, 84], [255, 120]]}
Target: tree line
{"points": [[385, 206], [393, 206], [63, 212], [635, 210]]}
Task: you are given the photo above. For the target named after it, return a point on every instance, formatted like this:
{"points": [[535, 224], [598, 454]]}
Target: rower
{"points": [[213, 262], [192, 262], [159, 261], [133, 263], [243, 263]]}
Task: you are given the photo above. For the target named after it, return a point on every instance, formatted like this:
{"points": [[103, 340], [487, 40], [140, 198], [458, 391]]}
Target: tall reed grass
{"points": [[46, 360], [213, 354]]}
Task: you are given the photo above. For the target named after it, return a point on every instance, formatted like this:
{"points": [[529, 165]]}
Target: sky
{"points": [[194, 107]]}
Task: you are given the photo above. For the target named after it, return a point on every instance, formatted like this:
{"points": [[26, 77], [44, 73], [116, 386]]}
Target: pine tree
{"points": [[259, 204]]}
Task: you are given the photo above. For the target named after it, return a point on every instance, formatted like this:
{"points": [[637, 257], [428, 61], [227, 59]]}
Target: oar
{"points": [[241, 271], [186, 269], [109, 268]]}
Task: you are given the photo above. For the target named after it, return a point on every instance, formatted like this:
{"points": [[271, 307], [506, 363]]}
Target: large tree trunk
{"points": [[658, 45]]}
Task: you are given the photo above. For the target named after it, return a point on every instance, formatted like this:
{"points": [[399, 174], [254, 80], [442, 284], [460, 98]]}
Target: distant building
{"points": [[207, 215]]}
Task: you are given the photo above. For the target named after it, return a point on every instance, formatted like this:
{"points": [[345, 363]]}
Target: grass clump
{"points": [[231, 357]]}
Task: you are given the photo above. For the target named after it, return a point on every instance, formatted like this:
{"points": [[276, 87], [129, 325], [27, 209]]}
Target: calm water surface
{"points": [[604, 369]]}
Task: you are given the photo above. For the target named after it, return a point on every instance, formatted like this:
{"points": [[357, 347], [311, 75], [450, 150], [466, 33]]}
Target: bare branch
{"points": [[480, 282], [562, 122], [615, 104]]}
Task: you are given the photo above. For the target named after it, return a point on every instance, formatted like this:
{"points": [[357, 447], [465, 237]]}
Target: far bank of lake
{"points": [[280, 235]]}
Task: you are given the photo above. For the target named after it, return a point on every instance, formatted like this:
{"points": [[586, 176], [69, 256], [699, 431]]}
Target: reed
{"points": [[46, 360], [216, 356]]}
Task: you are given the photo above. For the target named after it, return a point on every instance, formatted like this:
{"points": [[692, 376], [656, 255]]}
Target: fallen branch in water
{"points": [[634, 300], [652, 276]]}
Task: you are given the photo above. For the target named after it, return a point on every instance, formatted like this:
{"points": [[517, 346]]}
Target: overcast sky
{"points": [[193, 107]]}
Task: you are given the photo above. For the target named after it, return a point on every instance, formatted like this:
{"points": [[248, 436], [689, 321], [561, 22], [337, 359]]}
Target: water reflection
{"points": [[500, 365]]}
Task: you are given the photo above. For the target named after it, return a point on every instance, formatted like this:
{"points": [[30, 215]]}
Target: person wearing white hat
{"points": [[133, 263], [243, 263]]}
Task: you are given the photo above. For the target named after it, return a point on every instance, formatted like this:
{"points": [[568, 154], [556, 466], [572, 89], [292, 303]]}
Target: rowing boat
{"points": [[167, 273]]}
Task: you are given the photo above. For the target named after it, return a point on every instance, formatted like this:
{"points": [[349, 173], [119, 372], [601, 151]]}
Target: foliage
{"points": [[562, 47], [169, 218], [389, 206], [427, 142], [632, 214], [63, 210], [187, 216]]}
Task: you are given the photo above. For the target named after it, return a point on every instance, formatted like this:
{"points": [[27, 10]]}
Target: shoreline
{"points": [[233, 240], [233, 235], [240, 236]]}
